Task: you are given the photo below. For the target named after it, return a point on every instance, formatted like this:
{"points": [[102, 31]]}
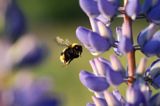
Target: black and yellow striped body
{"points": [[71, 52]]}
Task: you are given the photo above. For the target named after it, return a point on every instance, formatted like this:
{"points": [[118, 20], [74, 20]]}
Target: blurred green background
{"points": [[51, 18]]}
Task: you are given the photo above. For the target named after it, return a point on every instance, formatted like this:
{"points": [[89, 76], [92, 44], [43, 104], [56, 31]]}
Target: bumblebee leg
{"points": [[70, 61]]}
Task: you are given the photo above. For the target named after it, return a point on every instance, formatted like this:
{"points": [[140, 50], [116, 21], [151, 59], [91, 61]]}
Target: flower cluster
{"points": [[19, 51], [111, 73]]}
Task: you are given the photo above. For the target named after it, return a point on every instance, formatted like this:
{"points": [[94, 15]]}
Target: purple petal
{"points": [[147, 92], [92, 40], [47, 101], [154, 14], [125, 45], [89, 7], [93, 22], [147, 34], [99, 43], [108, 8], [154, 63], [119, 33], [152, 47], [146, 6], [99, 101], [135, 97], [133, 8], [116, 64], [104, 61], [105, 32], [114, 77], [98, 66], [104, 20], [111, 99], [154, 73], [93, 82], [15, 25], [82, 35], [90, 104], [155, 100], [36, 56], [117, 51], [157, 35], [119, 97], [119, 36], [156, 82]]}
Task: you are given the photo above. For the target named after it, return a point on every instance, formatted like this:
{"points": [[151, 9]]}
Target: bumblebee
{"points": [[72, 50]]}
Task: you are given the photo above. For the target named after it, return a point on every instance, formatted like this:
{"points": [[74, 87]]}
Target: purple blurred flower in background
{"points": [[15, 22], [35, 92], [20, 50], [27, 55]]}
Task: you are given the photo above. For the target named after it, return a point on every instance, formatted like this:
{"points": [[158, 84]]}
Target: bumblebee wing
{"points": [[62, 41]]}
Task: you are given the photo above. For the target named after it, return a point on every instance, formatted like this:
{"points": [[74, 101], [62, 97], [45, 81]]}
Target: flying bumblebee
{"points": [[72, 50]]}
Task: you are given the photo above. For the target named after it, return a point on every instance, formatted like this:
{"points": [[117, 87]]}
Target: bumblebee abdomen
{"points": [[66, 56]]}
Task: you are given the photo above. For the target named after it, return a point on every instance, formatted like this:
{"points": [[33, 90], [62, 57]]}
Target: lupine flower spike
{"points": [[111, 73]]}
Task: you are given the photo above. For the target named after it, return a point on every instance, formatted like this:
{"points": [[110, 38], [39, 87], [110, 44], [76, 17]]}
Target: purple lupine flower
{"points": [[103, 67], [90, 104], [140, 81], [154, 14], [133, 8], [89, 7], [152, 74], [15, 22], [118, 38], [100, 44], [152, 46], [146, 34], [134, 96], [146, 6], [154, 101], [93, 82], [119, 97], [99, 101], [113, 77], [105, 31], [112, 72], [111, 99], [148, 40], [115, 72], [99, 66], [94, 42], [108, 8], [125, 45], [104, 20]]}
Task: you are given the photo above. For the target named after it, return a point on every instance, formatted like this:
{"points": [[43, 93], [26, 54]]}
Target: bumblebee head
{"points": [[77, 47]]}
